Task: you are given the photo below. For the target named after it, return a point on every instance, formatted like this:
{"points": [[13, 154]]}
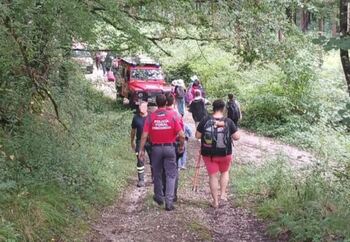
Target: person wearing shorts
{"points": [[218, 160]]}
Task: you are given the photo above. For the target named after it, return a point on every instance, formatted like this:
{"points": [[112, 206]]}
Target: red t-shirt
{"points": [[162, 126]]}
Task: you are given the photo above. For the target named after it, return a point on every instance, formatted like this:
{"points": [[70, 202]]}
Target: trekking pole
{"points": [[196, 174]]}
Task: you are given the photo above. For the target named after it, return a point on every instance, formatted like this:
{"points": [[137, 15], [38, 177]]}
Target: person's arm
{"points": [[132, 138], [181, 136], [198, 135], [144, 137], [200, 128], [142, 145], [236, 135]]}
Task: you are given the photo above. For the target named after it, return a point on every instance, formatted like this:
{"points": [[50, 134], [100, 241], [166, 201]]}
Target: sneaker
{"points": [[159, 202], [169, 207], [183, 168]]}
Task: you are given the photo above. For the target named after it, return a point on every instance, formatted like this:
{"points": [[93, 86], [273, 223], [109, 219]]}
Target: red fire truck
{"points": [[140, 79]]}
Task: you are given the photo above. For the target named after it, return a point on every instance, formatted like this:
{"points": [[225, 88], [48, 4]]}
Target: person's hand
{"points": [[181, 149], [133, 146], [142, 155]]}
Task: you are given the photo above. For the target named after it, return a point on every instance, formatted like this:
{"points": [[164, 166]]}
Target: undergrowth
{"points": [[52, 179], [298, 102], [312, 206]]}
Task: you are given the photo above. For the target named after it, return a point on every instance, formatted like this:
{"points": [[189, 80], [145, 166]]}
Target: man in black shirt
{"points": [[136, 130], [197, 107]]}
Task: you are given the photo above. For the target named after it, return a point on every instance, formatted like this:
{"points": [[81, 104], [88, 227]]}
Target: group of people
{"points": [[163, 134], [106, 61]]}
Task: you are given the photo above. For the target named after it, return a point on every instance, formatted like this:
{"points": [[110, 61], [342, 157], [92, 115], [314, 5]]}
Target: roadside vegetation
{"points": [[308, 204], [62, 144], [53, 179]]}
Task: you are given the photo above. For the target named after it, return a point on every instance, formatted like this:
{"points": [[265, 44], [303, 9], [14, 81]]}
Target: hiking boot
{"points": [[159, 202], [141, 182], [169, 207]]}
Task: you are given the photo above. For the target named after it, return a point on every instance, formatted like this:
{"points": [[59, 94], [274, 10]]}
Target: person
{"points": [[216, 133], [98, 60], [190, 93], [180, 93], [196, 85], [170, 101], [170, 107], [197, 108], [183, 159], [233, 109], [136, 131], [163, 128], [103, 56]]}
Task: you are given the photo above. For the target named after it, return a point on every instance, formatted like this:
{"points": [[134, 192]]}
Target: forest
{"points": [[63, 143]]}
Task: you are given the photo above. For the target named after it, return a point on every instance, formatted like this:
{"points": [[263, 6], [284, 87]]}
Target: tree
{"points": [[344, 31]]}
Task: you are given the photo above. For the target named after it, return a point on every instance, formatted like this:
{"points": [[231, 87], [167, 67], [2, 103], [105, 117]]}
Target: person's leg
{"points": [[224, 178], [148, 149], [184, 157], [171, 174], [177, 175], [214, 188], [157, 163], [140, 167], [103, 64], [182, 160], [213, 169], [180, 106], [224, 167]]}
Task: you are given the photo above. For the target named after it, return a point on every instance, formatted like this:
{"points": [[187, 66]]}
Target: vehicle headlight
{"points": [[140, 94]]}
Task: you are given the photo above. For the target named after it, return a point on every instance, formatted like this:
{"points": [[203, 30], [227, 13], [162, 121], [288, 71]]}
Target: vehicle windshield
{"points": [[81, 53], [147, 74]]}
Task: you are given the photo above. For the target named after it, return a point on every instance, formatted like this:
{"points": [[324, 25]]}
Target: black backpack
{"points": [[215, 140], [180, 92], [233, 111]]}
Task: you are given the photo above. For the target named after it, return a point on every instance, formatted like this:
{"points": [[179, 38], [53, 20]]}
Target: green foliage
{"points": [[311, 207], [51, 177]]}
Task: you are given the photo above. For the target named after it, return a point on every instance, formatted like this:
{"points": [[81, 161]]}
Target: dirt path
{"points": [[135, 217]]}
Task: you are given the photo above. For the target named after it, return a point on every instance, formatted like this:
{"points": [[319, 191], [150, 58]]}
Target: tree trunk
{"points": [[280, 35], [294, 14], [305, 20], [321, 25], [334, 29], [344, 54]]}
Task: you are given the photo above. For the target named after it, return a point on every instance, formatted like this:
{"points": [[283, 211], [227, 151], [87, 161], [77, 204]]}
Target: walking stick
{"points": [[196, 174]]}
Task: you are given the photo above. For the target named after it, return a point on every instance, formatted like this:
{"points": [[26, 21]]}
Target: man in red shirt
{"points": [[163, 128]]}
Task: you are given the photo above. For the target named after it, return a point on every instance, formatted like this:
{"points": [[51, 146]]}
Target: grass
{"points": [[58, 179], [203, 232], [305, 207], [308, 206]]}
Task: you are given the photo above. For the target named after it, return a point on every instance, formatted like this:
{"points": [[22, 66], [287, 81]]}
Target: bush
{"points": [[50, 177], [312, 206]]}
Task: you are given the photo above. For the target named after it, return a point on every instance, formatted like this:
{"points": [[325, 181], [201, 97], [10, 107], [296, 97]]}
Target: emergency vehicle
{"points": [[140, 79]]}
